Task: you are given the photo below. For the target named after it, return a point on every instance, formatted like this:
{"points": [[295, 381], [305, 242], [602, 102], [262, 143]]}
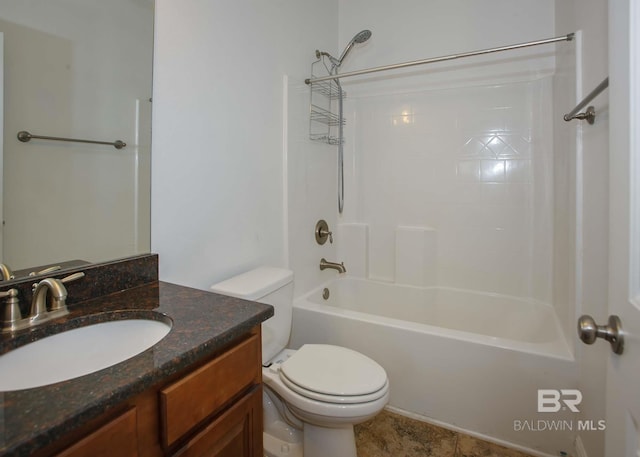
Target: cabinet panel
{"points": [[187, 402], [118, 437], [236, 433]]}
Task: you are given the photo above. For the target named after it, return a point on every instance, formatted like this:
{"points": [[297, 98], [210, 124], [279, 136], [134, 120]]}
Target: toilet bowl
{"points": [[316, 394]]}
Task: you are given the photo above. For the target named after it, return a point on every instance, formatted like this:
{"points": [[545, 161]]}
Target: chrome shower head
{"points": [[363, 36], [360, 37]]}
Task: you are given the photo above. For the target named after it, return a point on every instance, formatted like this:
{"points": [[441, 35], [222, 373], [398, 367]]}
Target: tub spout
{"points": [[324, 264]]}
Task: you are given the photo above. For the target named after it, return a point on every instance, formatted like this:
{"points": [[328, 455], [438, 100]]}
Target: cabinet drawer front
{"points": [[188, 401], [236, 433], [118, 437]]}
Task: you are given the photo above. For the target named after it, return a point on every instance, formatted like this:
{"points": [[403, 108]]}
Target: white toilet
{"points": [[314, 395]]}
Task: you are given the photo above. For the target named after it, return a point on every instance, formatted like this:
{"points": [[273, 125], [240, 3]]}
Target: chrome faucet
{"points": [[5, 272], [39, 312], [11, 319], [339, 267]]}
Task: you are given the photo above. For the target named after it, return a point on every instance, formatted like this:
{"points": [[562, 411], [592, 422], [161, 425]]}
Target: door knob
{"points": [[589, 331]]}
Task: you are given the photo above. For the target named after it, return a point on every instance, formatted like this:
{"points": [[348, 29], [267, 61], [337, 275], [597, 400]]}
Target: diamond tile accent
{"points": [[496, 145]]}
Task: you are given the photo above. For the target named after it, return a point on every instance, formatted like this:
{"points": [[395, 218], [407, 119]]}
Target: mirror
{"points": [[76, 69]]}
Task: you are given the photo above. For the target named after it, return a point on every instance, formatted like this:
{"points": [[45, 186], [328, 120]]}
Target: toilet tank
{"points": [[270, 285]]}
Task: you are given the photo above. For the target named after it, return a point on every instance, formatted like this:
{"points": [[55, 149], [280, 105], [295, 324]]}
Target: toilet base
{"points": [[275, 447], [324, 441]]}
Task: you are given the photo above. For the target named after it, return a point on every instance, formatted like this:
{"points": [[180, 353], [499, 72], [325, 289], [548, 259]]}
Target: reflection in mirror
{"points": [[75, 69]]}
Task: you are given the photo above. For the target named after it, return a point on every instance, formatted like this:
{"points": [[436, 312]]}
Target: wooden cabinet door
{"points": [[236, 433], [190, 400], [116, 438]]}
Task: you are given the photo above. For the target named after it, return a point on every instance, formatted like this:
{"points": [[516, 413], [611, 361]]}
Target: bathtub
{"points": [[469, 361]]}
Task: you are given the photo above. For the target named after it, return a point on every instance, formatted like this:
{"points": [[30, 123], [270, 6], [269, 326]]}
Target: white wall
{"points": [[75, 69], [218, 195], [409, 30], [463, 147], [1, 143], [586, 148]]}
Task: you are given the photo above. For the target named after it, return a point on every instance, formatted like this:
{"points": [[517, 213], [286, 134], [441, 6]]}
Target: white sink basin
{"points": [[78, 352]]}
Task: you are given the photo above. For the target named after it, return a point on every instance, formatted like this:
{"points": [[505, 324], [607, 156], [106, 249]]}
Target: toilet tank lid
{"points": [[254, 284]]}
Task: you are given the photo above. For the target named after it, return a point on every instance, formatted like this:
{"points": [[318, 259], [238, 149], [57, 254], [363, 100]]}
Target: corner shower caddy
{"points": [[324, 96]]}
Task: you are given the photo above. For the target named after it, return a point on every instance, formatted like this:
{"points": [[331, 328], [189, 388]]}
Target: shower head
{"points": [[360, 37], [363, 36]]}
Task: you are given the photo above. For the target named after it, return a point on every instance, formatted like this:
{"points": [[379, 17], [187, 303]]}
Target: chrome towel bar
{"points": [[25, 136], [590, 114]]}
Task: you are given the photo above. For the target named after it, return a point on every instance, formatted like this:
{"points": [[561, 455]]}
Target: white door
{"points": [[1, 141], [623, 371]]}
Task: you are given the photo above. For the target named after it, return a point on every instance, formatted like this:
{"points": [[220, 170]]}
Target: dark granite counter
{"points": [[203, 323]]}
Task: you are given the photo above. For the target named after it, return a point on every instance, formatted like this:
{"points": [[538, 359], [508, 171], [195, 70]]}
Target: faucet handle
{"points": [[60, 303], [73, 277], [11, 318], [69, 278], [325, 233], [322, 232], [45, 271], [10, 294]]}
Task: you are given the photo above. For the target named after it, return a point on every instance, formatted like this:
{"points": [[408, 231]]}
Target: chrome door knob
{"points": [[589, 332]]}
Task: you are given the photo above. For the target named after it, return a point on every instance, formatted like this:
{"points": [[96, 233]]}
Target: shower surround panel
{"points": [[472, 167]]}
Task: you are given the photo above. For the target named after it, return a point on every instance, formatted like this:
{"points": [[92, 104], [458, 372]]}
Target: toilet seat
{"points": [[334, 374], [351, 399]]}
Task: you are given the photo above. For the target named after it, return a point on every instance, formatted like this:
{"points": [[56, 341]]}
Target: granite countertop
{"points": [[203, 323]]}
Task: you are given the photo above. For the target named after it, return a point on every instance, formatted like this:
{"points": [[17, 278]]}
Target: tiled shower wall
{"points": [[471, 168]]}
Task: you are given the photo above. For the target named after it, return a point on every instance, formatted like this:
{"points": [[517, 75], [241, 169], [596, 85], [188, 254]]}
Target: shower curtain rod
{"points": [[568, 37]]}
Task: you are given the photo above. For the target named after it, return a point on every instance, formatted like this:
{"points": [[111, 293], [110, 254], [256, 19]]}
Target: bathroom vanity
{"points": [[196, 392], [214, 409]]}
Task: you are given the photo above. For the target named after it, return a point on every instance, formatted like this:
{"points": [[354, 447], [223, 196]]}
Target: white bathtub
{"points": [[471, 361]]}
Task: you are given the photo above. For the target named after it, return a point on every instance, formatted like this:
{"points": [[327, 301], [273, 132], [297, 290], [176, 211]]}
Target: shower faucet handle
{"points": [[322, 232], [325, 233]]}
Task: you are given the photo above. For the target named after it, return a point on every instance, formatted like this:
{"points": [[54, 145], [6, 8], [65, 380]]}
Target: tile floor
{"points": [[392, 435]]}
